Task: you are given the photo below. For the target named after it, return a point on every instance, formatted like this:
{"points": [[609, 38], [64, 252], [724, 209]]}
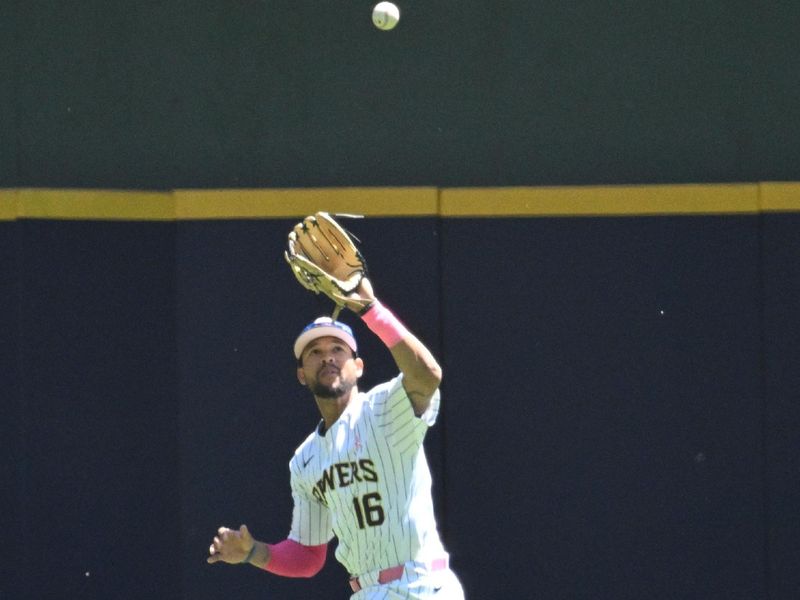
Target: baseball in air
{"points": [[385, 15]]}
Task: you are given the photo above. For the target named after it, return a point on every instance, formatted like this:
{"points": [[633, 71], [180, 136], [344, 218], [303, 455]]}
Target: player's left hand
{"points": [[325, 259], [230, 546]]}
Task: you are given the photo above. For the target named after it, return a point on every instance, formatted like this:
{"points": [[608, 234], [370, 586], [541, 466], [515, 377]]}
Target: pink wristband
{"points": [[291, 559], [384, 324]]}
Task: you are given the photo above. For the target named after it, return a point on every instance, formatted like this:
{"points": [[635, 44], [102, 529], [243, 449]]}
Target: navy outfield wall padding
{"points": [[97, 358], [13, 466], [610, 406], [781, 357], [618, 400], [243, 412]]}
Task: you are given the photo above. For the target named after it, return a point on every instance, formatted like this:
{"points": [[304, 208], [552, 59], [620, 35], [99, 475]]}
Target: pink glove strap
{"points": [[384, 324], [291, 559]]}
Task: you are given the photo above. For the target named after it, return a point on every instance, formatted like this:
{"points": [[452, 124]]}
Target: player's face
{"points": [[329, 368]]}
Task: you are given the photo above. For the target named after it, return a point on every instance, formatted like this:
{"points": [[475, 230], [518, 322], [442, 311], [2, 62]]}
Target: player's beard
{"points": [[332, 392]]}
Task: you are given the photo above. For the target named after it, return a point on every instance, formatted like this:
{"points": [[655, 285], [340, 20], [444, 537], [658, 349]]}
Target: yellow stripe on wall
{"points": [[780, 197], [8, 205], [276, 203], [95, 205], [592, 201], [600, 201]]}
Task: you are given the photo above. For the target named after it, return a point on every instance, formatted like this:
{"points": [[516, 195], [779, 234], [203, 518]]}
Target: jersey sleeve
{"points": [[394, 412], [311, 520]]}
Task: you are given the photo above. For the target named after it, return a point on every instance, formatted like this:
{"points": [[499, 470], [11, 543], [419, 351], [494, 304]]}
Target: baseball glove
{"points": [[324, 258]]}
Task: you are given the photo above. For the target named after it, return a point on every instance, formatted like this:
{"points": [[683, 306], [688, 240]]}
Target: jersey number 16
{"points": [[369, 510]]}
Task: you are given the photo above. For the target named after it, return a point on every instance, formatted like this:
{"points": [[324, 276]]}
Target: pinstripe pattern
{"points": [[367, 482]]}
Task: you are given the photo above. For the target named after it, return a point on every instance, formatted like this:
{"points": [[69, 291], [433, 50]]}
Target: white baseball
{"points": [[385, 15]]}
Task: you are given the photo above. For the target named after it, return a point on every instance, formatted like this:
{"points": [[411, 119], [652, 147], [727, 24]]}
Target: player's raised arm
{"points": [[421, 372], [325, 260]]}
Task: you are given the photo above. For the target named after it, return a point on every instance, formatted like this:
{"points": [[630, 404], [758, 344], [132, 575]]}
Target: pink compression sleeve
{"points": [[291, 559], [384, 324]]}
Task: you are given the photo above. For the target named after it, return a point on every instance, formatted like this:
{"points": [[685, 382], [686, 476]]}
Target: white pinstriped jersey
{"points": [[367, 482]]}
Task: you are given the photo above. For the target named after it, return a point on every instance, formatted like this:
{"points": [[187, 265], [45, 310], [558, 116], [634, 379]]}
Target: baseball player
{"points": [[362, 475]]}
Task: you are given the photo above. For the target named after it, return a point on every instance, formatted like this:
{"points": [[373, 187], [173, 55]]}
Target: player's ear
{"points": [[359, 367], [301, 376]]}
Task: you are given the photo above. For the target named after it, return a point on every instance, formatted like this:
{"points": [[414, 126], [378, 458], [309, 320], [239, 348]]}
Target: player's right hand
{"points": [[230, 546], [362, 298]]}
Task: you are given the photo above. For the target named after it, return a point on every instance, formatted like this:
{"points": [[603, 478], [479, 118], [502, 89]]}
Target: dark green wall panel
{"points": [[8, 96], [269, 94]]}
